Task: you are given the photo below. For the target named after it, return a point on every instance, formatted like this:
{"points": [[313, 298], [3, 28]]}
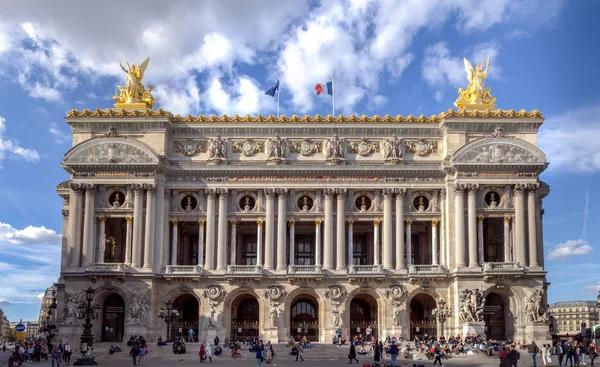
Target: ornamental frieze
{"points": [[305, 147], [189, 147], [247, 148], [422, 147], [364, 148]]}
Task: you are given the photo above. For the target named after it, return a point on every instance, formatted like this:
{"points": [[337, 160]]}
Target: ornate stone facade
{"points": [[301, 225]]}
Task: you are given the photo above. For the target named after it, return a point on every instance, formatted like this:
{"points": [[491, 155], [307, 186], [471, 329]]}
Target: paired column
{"points": [[209, 261], [222, 235], [75, 206], [341, 229], [400, 229], [292, 225], [434, 242], [507, 246], [201, 243], [270, 229], [318, 242], [233, 242], [376, 224], [532, 225], [128, 240], [259, 241], [350, 241], [520, 249], [159, 226], [150, 233], [408, 243], [174, 241], [443, 230], [138, 212], [459, 209], [87, 255], [480, 239], [388, 262], [281, 230], [101, 241], [472, 224], [328, 248]]}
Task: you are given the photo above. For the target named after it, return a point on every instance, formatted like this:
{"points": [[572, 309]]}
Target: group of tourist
{"points": [[38, 350], [138, 350]]}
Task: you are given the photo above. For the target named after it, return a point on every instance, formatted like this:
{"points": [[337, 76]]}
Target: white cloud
{"points": [[592, 289], [28, 235], [12, 149], [570, 248], [41, 296], [59, 136], [578, 128]]}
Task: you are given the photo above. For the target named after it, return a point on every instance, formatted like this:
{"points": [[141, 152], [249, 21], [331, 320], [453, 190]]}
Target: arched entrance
{"points": [[113, 318], [244, 317], [188, 307], [422, 321], [363, 314], [304, 317], [494, 317]]}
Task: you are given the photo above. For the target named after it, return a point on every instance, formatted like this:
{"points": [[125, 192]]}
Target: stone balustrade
{"points": [[183, 269], [244, 269], [105, 267], [501, 266], [426, 269], [305, 269], [365, 269]]}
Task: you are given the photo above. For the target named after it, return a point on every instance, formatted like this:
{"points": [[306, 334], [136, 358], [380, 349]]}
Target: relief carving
{"points": [[364, 148], [110, 153], [247, 148], [305, 147], [422, 147], [392, 149]]}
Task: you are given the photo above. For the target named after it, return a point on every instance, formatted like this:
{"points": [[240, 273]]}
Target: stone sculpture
{"points": [[471, 305]]}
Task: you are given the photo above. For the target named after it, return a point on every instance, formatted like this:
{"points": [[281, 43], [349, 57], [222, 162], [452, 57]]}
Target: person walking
{"points": [[569, 353], [512, 357], [259, 355], [67, 353], [533, 350], [208, 352], [593, 354], [352, 354], [191, 336], [268, 352], [559, 353], [142, 350], [437, 355], [134, 353], [545, 352], [300, 352], [202, 353], [55, 356]]}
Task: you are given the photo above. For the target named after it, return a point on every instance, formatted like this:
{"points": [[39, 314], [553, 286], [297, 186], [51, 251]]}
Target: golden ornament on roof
{"points": [[476, 96], [134, 95]]}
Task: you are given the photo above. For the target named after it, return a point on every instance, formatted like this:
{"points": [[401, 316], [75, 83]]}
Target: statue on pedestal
{"points": [[475, 96], [134, 95]]}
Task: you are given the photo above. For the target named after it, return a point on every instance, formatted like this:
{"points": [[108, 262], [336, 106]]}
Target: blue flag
{"points": [[271, 92]]}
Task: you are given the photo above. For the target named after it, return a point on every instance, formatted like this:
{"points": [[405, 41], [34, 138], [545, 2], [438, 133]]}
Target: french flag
{"points": [[324, 88]]}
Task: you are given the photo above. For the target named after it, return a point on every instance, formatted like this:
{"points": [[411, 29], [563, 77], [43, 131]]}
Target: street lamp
{"points": [[442, 313], [87, 312], [168, 315]]}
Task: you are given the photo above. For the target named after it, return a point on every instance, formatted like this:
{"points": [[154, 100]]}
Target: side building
{"points": [[4, 327], [570, 317]]}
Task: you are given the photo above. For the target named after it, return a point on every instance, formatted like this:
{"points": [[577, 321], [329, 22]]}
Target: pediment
{"points": [[499, 150], [113, 151]]}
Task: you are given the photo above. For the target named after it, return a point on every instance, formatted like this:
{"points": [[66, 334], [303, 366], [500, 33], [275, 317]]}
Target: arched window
{"points": [[304, 310], [248, 310]]}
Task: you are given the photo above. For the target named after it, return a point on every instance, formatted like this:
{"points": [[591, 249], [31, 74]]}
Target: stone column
{"points": [[328, 248], [270, 230], [519, 223], [292, 225], [222, 232], [341, 230], [318, 242], [174, 241], [472, 224], [434, 242], [75, 206], [150, 235], [128, 240], [388, 262], [200, 243], [408, 243], [442, 229], [101, 241], [209, 259], [459, 209], [138, 221], [87, 255], [480, 239], [507, 247], [376, 223], [400, 229], [532, 225], [233, 242], [159, 227], [281, 230], [350, 241], [259, 241]]}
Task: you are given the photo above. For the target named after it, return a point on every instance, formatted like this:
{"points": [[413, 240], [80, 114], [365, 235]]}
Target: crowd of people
{"points": [[40, 350]]}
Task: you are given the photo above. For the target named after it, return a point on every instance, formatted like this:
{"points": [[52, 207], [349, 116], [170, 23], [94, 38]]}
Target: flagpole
{"points": [[278, 91], [332, 97]]}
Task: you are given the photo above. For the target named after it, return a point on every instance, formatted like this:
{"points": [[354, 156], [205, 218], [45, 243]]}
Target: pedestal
{"points": [[131, 106], [473, 328], [538, 332], [134, 330], [210, 335]]}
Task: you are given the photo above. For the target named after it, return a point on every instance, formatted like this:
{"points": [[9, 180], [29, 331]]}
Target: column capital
{"points": [[376, 222], [210, 191], [281, 191], [341, 192], [472, 188], [318, 222], [129, 220], [408, 222], [387, 192], [270, 191], [350, 221], [434, 222], [102, 219], [77, 187], [507, 219], [137, 187], [175, 222], [520, 189], [292, 222], [151, 188], [328, 192], [532, 187], [480, 219], [260, 222], [443, 194], [65, 212], [201, 223], [459, 188], [222, 192], [400, 192], [233, 222]]}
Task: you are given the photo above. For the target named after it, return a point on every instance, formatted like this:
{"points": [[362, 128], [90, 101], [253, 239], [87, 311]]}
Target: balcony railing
{"points": [[501, 267], [106, 267], [305, 269], [365, 269], [183, 269], [244, 269], [426, 269]]}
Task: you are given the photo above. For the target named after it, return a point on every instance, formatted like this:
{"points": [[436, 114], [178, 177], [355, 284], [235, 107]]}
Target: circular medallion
{"points": [[421, 148], [305, 148], [190, 147], [363, 148], [247, 148]]}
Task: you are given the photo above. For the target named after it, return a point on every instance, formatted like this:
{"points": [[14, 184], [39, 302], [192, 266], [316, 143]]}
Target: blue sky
{"points": [[388, 57]]}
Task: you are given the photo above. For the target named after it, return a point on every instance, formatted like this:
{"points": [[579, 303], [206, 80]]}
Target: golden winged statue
{"points": [[134, 95], [476, 96]]}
